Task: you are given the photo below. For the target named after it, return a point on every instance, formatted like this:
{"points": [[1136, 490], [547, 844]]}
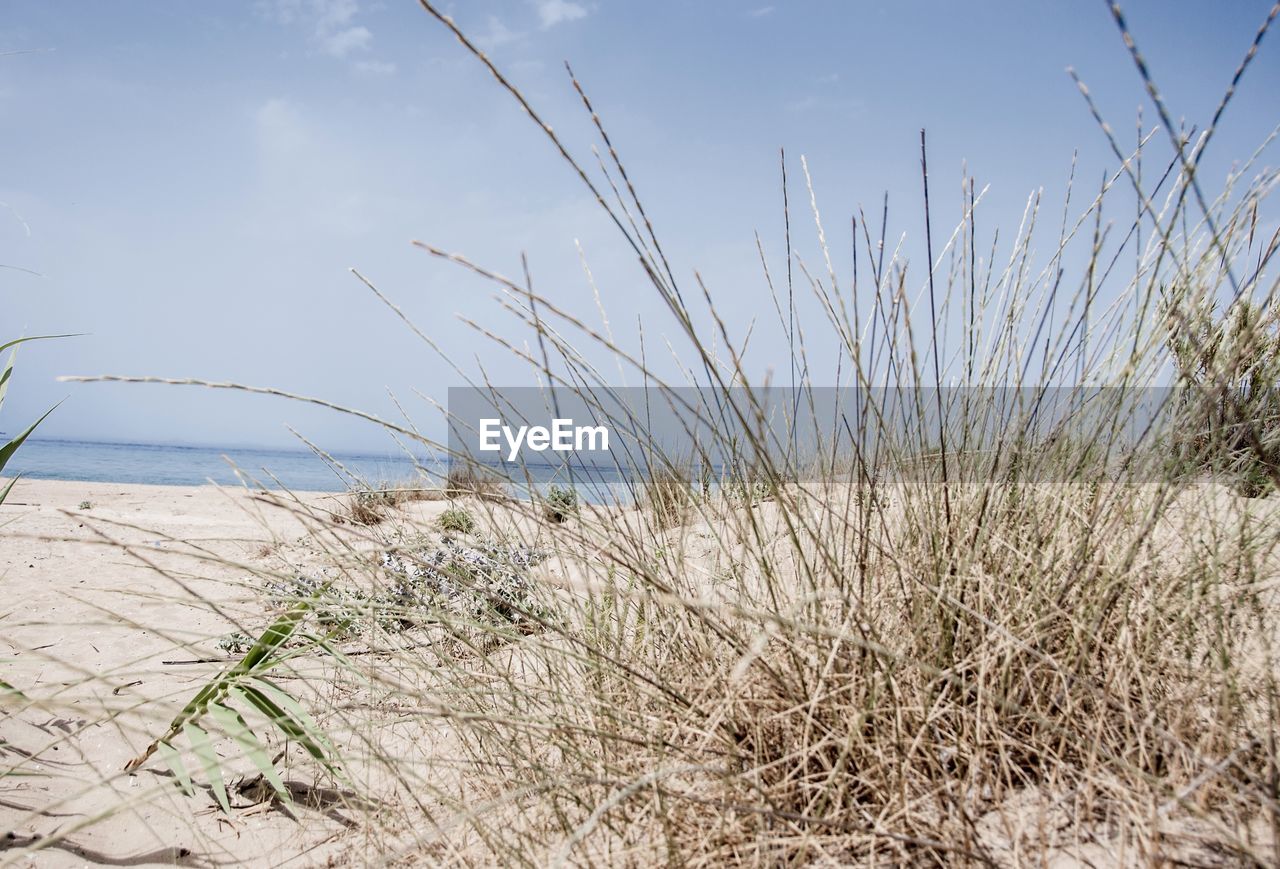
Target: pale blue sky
{"points": [[193, 180]]}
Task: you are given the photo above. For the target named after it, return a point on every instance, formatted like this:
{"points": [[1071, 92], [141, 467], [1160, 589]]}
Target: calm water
{"points": [[169, 464]]}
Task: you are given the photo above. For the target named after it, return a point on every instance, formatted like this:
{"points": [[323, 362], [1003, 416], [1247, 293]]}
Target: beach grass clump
{"points": [[1039, 647], [1228, 365], [457, 520], [668, 495], [401, 492], [469, 480], [968, 621], [748, 484], [372, 504], [366, 507]]}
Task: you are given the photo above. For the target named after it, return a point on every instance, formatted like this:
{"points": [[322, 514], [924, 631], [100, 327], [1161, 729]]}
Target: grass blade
{"points": [[7, 451], [209, 760], [240, 731], [173, 759]]}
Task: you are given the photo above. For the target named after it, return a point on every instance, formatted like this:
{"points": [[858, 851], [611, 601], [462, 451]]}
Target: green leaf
{"points": [[275, 636], [5, 494], [6, 374], [259, 657], [243, 682], [255, 697], [299, 714], [174, 761], [235, 725], [277, 716], [209, 760], [8, 368], [7, 451], [15, 342]]}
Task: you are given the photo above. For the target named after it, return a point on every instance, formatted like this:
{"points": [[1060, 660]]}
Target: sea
{"points": [[297, 470]]}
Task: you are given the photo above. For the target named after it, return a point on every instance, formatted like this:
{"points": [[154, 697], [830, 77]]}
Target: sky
{"points": [[190, 184]]}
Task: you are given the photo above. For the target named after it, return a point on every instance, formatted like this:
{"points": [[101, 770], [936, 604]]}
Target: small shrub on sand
{"points": [[366, 507], [370, 506], [408, 491], [456, 519], [235, 643], [561, 503], [748, 483], [485, 583]]}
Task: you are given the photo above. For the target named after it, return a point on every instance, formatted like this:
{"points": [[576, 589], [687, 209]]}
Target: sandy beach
{"points": [[116, 597], [105, 587]]}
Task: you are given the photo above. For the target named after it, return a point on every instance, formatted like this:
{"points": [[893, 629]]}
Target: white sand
{"points": [[81, 617]]}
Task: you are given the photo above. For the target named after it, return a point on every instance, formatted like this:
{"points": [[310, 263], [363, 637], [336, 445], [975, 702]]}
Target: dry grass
{"points": [[371, 505], [668, 495], [845, 699], [466, 480]]}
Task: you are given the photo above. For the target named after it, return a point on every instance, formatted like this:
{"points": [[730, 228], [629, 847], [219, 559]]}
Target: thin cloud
{"points": [[335, 33], [760, 12], [342, 42], [550, 14], [496, 34], [333, 29], [553, 12]]}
